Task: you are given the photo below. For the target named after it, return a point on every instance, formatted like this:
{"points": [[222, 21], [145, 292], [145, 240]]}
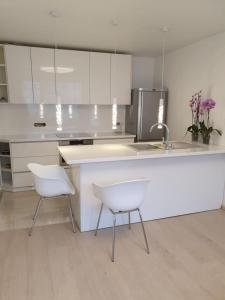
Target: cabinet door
{"points": [[19, 164], [43, 70], [21, 180], [72, 76], [18, 66], [99, 78], [30, 149], [120, 79]]}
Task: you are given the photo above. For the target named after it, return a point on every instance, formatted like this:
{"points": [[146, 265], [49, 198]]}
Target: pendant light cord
{"points": [[54, 16], [163, 64], [115, 23]]}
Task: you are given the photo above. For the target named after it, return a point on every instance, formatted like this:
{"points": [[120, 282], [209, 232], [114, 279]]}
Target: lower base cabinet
{"points": [[21, 175], [22, 180], [19, 164], [45, 153]]}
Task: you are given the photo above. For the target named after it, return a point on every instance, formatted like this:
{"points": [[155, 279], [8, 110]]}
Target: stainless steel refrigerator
{"points": [[145, 110]]}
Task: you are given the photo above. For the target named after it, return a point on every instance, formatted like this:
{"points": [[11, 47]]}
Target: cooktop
{"points": [[65, 135]]}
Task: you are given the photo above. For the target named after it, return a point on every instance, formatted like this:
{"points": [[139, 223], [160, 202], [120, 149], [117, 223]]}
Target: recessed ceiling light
{"points": [[115, 22], [165, 29], [54, 14]]}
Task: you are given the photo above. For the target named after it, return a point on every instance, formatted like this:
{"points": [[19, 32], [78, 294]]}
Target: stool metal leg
{"points": [[99, 217], [129, 220], [35, 215], [1, 195], [114, 236], [71, 214], [143, 228]]}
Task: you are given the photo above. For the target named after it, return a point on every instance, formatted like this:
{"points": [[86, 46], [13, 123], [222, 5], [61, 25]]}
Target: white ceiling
{"points": [[86, 24]]}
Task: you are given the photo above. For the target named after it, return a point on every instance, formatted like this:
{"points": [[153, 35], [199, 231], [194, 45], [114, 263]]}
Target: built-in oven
{"points": [[77, 142]]}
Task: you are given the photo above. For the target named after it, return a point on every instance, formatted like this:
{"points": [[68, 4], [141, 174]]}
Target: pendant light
{"points": [[54, 15], [115, 23], [162, 100]]}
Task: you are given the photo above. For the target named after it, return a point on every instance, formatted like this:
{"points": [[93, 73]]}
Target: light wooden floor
{"points": [[16, 210], [187, 261]]}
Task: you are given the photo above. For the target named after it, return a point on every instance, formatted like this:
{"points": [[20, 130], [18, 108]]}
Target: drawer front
{"points": [[22, 180], [19, 164], [34, 149], [114, 141]]}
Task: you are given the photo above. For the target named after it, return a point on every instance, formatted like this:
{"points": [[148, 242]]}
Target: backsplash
{"points": [[20, 119]]}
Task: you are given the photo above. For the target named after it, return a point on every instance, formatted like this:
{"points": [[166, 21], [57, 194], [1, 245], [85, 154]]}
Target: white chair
{"points": [[51, 181], [119, 198]]}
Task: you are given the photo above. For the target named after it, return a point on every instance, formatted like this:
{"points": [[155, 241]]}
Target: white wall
{"points": [[200, 66], [143, 72]]}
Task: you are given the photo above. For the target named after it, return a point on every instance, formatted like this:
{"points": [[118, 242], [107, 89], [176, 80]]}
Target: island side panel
{"points": [[178, 185], [76, 205]]}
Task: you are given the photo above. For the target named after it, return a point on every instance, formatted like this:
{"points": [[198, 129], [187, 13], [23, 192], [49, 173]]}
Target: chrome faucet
{"points": [[166, 140]]}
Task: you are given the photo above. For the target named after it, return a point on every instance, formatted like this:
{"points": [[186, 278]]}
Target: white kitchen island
{"points": [[182, 181]]}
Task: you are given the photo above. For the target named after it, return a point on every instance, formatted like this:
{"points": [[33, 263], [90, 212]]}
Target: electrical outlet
{"points": [[39, 124]]}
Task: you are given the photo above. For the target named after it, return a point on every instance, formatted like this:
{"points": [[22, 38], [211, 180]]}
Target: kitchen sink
{"points": [[178, 145], [173, 146], [143, 147]]}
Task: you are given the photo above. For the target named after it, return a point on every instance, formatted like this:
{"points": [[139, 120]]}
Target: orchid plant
{"points": [[201, 118], [194, 104], [205, 127]]}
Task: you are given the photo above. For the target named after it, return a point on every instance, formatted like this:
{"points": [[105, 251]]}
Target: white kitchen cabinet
{"points": [[49, 76], [19, 164], [22, 180], [99, 78], [19, 76], [120, 79], [34, 149], [72, 76], [21, 154], [43, 71]]}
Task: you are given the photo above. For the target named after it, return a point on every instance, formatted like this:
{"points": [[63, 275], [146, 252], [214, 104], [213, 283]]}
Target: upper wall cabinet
{"points": [[120, 79], [49, 76], [43, 70], [99, 78], [18, 65], [72, 76]]}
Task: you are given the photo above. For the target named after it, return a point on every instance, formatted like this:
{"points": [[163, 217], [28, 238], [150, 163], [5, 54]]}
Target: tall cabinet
{"points": [[100, 78], [72, 76], [43, 71], [19, 77], [120, 79]]}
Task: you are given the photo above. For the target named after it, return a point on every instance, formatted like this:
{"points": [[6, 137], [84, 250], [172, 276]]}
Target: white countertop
{"points": [[116, 152], [41, 137]]}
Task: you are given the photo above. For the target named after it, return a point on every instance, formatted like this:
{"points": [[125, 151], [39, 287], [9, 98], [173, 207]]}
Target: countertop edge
{"points": [[48, 139], [162, 154]]}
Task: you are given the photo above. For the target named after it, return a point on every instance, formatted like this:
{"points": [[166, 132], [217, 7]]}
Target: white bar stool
{"points": [[51, 181], [119, 198]]}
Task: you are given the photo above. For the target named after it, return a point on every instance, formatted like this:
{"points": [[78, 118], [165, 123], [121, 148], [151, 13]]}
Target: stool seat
{"points": [[122, 197], [51, 180]]}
